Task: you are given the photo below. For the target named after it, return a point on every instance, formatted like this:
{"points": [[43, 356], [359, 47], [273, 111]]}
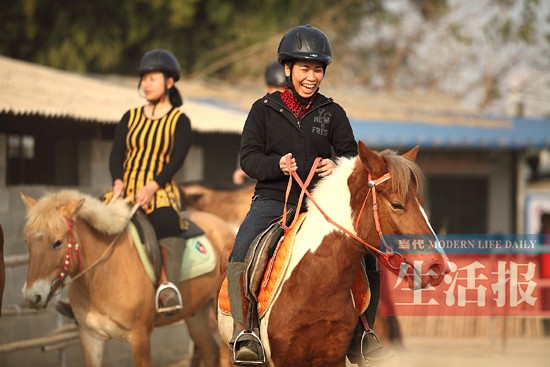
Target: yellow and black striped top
{"points": [[145, 149]]}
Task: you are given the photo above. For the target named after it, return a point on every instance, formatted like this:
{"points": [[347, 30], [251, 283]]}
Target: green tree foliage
{"points": [[464, 48], [207, 36]]}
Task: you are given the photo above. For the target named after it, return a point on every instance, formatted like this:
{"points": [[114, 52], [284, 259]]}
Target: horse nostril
{"points": [[436, 270], [37, 298]]}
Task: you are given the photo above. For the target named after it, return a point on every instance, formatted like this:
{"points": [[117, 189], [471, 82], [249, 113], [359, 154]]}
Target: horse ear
{"points": [[72, 208], [29, 202], [411, 154], [372, 162]]}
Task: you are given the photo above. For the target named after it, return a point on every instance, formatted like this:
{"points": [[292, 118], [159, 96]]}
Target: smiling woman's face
{"points": [[306, 76]]}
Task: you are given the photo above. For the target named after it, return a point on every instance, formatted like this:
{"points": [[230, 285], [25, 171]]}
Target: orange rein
{"points": [[372, 187]]}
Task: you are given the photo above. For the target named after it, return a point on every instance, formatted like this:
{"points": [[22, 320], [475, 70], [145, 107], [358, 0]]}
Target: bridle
{"points": [[393, 258], [72, 242]]}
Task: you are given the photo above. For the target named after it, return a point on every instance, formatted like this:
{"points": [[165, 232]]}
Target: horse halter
{"points": [[389, 255], [59, 282]]}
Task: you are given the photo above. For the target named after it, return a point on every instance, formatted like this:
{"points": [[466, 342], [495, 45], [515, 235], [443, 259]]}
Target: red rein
{"points": [[70, 237], [372, 187]]}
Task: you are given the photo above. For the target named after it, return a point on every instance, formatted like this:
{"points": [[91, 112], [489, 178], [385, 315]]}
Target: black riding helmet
{"points": [[165, 62], [160, 60], [275, 75], [305, 42]]}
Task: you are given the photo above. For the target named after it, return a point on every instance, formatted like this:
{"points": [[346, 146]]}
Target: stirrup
{"points": [[369, 354], [160, 308], [365, 333], [251, 337]]}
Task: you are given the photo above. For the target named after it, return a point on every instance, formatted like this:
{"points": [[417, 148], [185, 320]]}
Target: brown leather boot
{"points": [[246, 345]]}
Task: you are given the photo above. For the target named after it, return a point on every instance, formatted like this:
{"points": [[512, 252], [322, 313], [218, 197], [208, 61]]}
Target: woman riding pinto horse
{"points": [[298, 124], [310, 317]]}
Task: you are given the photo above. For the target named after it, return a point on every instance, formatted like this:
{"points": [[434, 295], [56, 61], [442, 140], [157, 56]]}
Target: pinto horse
{"points": [[69, 233], [311, 316]]}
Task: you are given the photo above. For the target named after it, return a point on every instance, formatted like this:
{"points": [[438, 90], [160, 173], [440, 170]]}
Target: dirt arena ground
{"points": [[463, 352]]}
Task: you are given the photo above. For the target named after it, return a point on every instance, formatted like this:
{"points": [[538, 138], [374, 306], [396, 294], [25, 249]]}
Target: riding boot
{"points": [[246, 345], [168, 294]]}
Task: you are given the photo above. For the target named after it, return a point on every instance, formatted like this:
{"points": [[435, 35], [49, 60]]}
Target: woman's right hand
{"points": [[284, 167], [118, 188]]}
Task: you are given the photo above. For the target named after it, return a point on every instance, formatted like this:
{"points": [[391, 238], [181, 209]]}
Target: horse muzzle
{"points": [[38, 294], [429, 274]]}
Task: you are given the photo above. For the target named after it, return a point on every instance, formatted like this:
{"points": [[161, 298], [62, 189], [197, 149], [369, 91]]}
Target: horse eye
{"points": [[57, 244], [397, 206]]}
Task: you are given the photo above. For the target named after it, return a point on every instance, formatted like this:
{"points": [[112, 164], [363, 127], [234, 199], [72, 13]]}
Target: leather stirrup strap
{"points": [[364, 321], [303, 185]]}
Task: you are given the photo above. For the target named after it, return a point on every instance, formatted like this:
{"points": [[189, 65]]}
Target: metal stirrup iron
{"points": [[248, 335], [159, 307]]}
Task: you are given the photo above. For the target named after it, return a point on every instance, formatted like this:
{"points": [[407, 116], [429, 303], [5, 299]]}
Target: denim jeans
{"points": [[263, 211]]}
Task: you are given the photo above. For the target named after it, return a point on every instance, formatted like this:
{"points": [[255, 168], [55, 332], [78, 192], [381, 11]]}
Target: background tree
{"points": [[484, 52]]}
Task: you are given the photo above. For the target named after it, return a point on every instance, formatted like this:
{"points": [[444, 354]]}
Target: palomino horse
{"points": [[311, 317], [2, 270], [69, 233]]}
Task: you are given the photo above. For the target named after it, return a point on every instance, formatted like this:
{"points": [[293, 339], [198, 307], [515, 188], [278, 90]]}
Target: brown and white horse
{"points": [[311, 317], [72, 234]]}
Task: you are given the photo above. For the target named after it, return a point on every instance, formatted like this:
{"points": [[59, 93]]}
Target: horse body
{"points": [[312, 316], [110, 293], [229, 205]]}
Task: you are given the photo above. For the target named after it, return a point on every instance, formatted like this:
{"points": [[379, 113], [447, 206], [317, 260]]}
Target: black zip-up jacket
{"points": [[271, 130]]}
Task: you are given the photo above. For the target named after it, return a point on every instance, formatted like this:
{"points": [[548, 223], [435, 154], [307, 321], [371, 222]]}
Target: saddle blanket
{"points": [[275, 271], [199, 257]]}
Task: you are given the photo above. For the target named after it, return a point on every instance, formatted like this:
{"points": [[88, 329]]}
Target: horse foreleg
{"points": [[140, 341], [92, 348], [202, 334]]}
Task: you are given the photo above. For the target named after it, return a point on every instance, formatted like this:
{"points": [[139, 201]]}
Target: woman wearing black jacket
{"points": [[299, 123]]}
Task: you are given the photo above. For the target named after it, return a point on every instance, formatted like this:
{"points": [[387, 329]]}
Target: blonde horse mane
{"points": [[108, 219]]}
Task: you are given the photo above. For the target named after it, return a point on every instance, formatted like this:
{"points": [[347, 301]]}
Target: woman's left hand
{"points": [[325, 167], [145, 194]]}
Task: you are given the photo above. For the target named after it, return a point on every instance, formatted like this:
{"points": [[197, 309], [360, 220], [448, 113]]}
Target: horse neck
{"points": [[94, 245]]}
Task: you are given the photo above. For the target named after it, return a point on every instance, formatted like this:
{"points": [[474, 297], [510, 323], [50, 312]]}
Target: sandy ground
{"points": [[436, 352]]}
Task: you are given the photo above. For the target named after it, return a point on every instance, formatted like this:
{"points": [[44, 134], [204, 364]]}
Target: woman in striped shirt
{"points": [[150, 146]]}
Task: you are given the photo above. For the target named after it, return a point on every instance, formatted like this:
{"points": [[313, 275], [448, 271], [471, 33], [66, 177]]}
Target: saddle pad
{"points": [[140, 247], [274, 273], [199, 257]]}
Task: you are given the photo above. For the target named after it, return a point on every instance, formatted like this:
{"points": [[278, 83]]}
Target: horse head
{"points": [[390, 184], [48, 235]]}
